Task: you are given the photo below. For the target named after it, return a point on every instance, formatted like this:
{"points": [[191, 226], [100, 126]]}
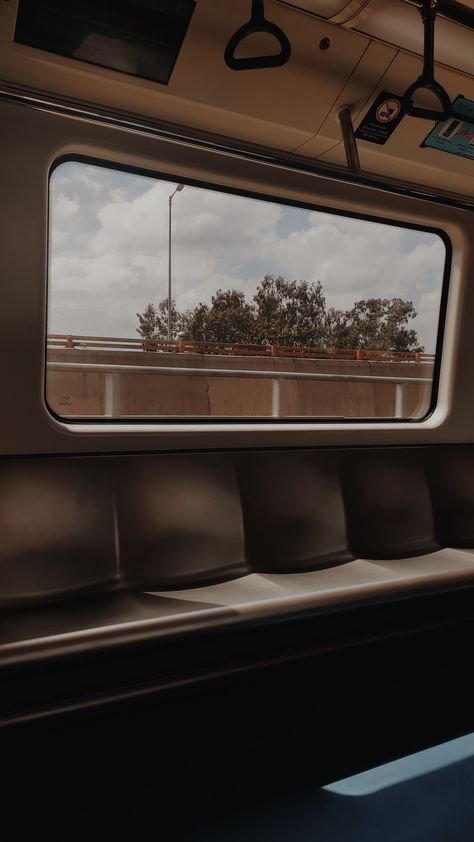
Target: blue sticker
{"points": [[455, 135]]}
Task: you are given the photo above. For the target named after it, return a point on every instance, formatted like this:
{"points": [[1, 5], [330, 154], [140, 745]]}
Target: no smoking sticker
{"points": [[382, 118], [388, 111]]}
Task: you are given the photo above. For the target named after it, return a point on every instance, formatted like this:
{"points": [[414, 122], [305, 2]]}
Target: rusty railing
{"points": [[235, 349]]}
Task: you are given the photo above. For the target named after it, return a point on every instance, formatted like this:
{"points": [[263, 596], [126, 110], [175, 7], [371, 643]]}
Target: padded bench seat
{"points": [[108, 619], [107, 547]]}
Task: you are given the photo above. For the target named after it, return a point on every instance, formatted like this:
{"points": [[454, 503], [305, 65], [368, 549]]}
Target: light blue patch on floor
{"points": [[406, 768]]}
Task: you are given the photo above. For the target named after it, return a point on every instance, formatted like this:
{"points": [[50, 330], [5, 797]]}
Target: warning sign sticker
{"points": [[382, 118], [388, 110], [455, 135]]}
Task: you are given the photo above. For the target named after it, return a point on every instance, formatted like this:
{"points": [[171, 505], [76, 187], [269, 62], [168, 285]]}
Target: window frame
{"points": [[75, 423]]}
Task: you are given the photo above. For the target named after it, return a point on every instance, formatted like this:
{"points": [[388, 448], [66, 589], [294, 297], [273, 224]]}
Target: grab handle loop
{"points": [[257, 23], [427, 81]]}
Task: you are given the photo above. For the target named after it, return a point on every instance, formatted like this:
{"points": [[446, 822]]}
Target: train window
{"points": [[177, 300]]}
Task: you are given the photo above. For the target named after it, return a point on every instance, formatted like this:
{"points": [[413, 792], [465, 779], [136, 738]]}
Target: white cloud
{"points": [[65, 208], [73, 175]]}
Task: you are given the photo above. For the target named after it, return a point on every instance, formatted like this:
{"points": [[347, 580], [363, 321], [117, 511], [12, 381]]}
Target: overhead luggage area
{"points": [[342, 55]]}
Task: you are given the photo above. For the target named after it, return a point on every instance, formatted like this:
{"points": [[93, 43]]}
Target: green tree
{"points": [[229, 319], [338, 329], [153, 322], [290, 312], [375, 324]]}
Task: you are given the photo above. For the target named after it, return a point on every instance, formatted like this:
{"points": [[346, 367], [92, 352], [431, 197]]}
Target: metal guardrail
{"points": [[112, 389], [235, 349]]}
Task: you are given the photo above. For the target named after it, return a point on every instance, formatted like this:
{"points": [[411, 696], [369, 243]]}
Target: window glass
{"points": [[276, 311]]}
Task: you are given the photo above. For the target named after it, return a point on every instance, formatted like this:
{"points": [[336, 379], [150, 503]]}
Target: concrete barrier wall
{"points": [[76, 393]]}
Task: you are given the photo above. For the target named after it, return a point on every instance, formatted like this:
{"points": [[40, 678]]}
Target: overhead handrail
{"points": [[257, 23], [427, 81]]}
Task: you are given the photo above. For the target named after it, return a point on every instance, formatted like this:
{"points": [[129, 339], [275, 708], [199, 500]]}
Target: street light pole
{"points": [[178, 189]]}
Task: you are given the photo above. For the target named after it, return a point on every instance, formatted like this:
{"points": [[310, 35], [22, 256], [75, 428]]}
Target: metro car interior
{"points": [[237, 451]]}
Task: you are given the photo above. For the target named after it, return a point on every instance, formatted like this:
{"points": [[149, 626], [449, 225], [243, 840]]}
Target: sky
{"points": [[109, 252]]}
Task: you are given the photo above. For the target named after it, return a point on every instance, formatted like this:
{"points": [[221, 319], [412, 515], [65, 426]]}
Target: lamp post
{"points": [[178, 189]]}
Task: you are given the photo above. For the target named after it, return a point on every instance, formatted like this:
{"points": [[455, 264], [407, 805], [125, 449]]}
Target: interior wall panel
{"points": [[26, 425]]}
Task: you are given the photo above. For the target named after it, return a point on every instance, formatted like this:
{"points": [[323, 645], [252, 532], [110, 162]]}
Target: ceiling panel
{"points": [[299, 94], [400, 24], [356, 93], [292, 108], [324, 8], [281, 108], [401, 157]]}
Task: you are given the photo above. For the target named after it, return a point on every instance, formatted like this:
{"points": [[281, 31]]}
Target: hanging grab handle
{"points": [[257, 23], [427, 81]]}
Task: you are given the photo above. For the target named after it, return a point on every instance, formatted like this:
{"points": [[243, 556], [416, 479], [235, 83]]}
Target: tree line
{"points": [[290, 313]]}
